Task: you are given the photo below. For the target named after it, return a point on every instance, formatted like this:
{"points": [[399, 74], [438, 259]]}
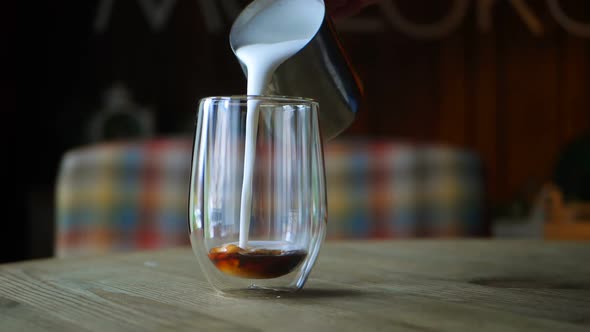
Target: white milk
{"points": [[271, 36]]}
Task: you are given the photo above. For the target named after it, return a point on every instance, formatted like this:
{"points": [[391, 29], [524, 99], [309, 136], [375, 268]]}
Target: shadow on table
{"points": [[310, 293]]}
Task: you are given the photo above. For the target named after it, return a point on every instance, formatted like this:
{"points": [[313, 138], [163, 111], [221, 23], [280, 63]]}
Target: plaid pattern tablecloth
{"points": [[125, 196]]}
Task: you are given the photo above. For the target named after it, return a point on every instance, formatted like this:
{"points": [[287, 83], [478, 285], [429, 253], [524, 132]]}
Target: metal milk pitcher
{"points": [[320, 71]]}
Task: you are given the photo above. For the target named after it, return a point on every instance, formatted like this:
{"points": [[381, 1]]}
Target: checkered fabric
{"points": [[117, 197], [125, 196], [381, 189]]}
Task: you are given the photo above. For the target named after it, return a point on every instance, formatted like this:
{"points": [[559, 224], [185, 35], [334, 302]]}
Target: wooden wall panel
{"points": [[452, 85], [483, 103], [528, 103], [409, 93], [512, 94], [574, 88]]}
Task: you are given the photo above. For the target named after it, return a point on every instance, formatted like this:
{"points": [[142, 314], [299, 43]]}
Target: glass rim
{"points": [[263, 98]]}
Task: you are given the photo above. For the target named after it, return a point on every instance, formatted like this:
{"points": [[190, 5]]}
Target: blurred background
{"points": [[476, 120]]}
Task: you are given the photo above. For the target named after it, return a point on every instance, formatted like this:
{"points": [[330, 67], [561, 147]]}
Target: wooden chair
{"points": [[564, 220]]}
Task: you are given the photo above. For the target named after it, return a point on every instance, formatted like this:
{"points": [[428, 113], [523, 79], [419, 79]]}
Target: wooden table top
{"points": [[420, 285]]}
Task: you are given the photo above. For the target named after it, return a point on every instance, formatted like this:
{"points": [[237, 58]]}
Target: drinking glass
{"points": [[273, 186]]}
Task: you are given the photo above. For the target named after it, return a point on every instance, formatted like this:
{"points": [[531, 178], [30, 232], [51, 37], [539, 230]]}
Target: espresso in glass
{"points": [[255, 263]]}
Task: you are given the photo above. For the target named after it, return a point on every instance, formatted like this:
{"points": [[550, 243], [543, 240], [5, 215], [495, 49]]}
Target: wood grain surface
{"points": [[420, 285]]}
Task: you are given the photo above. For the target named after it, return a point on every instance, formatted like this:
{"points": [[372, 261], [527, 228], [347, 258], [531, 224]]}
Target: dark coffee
{"points": [[255, 263]]}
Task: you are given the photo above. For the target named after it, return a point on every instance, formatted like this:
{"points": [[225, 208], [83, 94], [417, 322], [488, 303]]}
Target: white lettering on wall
{"points": [[213, 12], [103, 15], [569, 25], [455, 15], [528, 17], [156, 13], [425, 31]]}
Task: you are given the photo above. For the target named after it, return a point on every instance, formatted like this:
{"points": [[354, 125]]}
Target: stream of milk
{"points": [[271, 36]]}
